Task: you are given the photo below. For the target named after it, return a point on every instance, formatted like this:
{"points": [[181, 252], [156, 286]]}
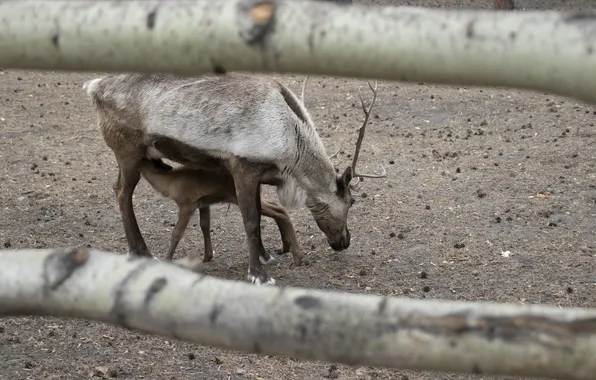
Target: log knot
{"points": [[60, 265], [255, 20]]}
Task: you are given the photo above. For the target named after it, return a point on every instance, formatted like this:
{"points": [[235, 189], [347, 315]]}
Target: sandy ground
{"points": [[464, 168]]}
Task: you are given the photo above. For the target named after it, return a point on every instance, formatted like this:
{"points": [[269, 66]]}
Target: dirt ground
{"points": [[465, 166]]}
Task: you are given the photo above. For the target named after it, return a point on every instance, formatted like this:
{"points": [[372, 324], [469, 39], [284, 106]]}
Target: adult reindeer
{"points": [[251, 125]]}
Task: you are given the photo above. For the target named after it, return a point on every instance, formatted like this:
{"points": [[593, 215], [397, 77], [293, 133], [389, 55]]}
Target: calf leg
{"points": [[286, 229], [184, 215], [128, 178], [205, 223], [247, 184]]}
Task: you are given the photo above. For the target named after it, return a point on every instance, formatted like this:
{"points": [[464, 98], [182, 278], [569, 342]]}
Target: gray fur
{"points": [[227, 115], [251, 125]]}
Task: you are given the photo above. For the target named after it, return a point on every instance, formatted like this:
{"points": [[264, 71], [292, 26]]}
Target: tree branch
{"points": [[164, 299], [545, 51]]}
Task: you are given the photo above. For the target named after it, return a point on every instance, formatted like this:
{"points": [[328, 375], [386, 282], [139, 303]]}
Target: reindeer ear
{"points": [[346, 177]]}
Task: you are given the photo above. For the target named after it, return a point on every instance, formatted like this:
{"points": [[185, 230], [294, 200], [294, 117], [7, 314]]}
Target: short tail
{"points": [[90, 86]]}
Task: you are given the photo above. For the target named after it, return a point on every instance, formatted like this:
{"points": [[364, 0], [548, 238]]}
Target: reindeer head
{"points": [[330, 209]]}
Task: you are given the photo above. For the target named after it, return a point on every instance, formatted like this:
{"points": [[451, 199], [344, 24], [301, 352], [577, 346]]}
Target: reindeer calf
{"points": [[195, 188]]}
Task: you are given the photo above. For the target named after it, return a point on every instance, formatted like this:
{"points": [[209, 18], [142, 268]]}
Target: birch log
{"points": [[164, 299], [547, 51]]}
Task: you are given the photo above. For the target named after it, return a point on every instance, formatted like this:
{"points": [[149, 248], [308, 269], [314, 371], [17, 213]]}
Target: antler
{"points": [[303, 89], [361, 132]]}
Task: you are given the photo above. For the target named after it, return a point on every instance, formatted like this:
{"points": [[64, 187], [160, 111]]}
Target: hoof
{"points": [[260, 281], [282, 251], [138, 253], [194, 265], [272, 260]]}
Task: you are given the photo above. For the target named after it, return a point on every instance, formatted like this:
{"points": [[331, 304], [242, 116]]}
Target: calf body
{"points": [[251, 125], [196, 188]]}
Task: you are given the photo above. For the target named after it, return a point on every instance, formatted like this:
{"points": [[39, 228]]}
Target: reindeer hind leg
{"points": [[128, 177], [286, 229], [184, 215]]}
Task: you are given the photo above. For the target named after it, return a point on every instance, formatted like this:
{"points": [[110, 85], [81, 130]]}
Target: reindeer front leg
{"points": [[247, 184], [284, 224], [205, 223]]}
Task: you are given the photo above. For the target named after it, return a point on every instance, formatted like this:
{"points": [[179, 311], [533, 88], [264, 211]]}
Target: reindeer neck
{"points": [[315, 172]]}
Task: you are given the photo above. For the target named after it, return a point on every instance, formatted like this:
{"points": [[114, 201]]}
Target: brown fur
{"points": [[504, 4], [196, 188]]}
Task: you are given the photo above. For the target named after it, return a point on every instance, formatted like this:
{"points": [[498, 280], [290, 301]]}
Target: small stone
{"points": [[423, 274]]}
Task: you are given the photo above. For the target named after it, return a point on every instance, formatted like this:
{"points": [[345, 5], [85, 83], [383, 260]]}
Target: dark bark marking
{"points": [[302, 331], [579, 16], [308, 302], [218, 69], [60, 265], [156, 286], [119, 310], [56, 40], [214, 313], [383, 305], [151, 19], [311, 37], [470, 29]]}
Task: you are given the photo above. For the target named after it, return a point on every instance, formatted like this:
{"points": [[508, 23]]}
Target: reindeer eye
{"points": [[352, 202]]}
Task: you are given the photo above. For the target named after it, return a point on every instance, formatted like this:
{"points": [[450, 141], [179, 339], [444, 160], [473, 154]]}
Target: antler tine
{"points": [[303, 89], [336, 153], [361, 133]]}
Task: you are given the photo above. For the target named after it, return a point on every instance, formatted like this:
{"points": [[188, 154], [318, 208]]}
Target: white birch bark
{"points": [[164, 299], [546, 51]]}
